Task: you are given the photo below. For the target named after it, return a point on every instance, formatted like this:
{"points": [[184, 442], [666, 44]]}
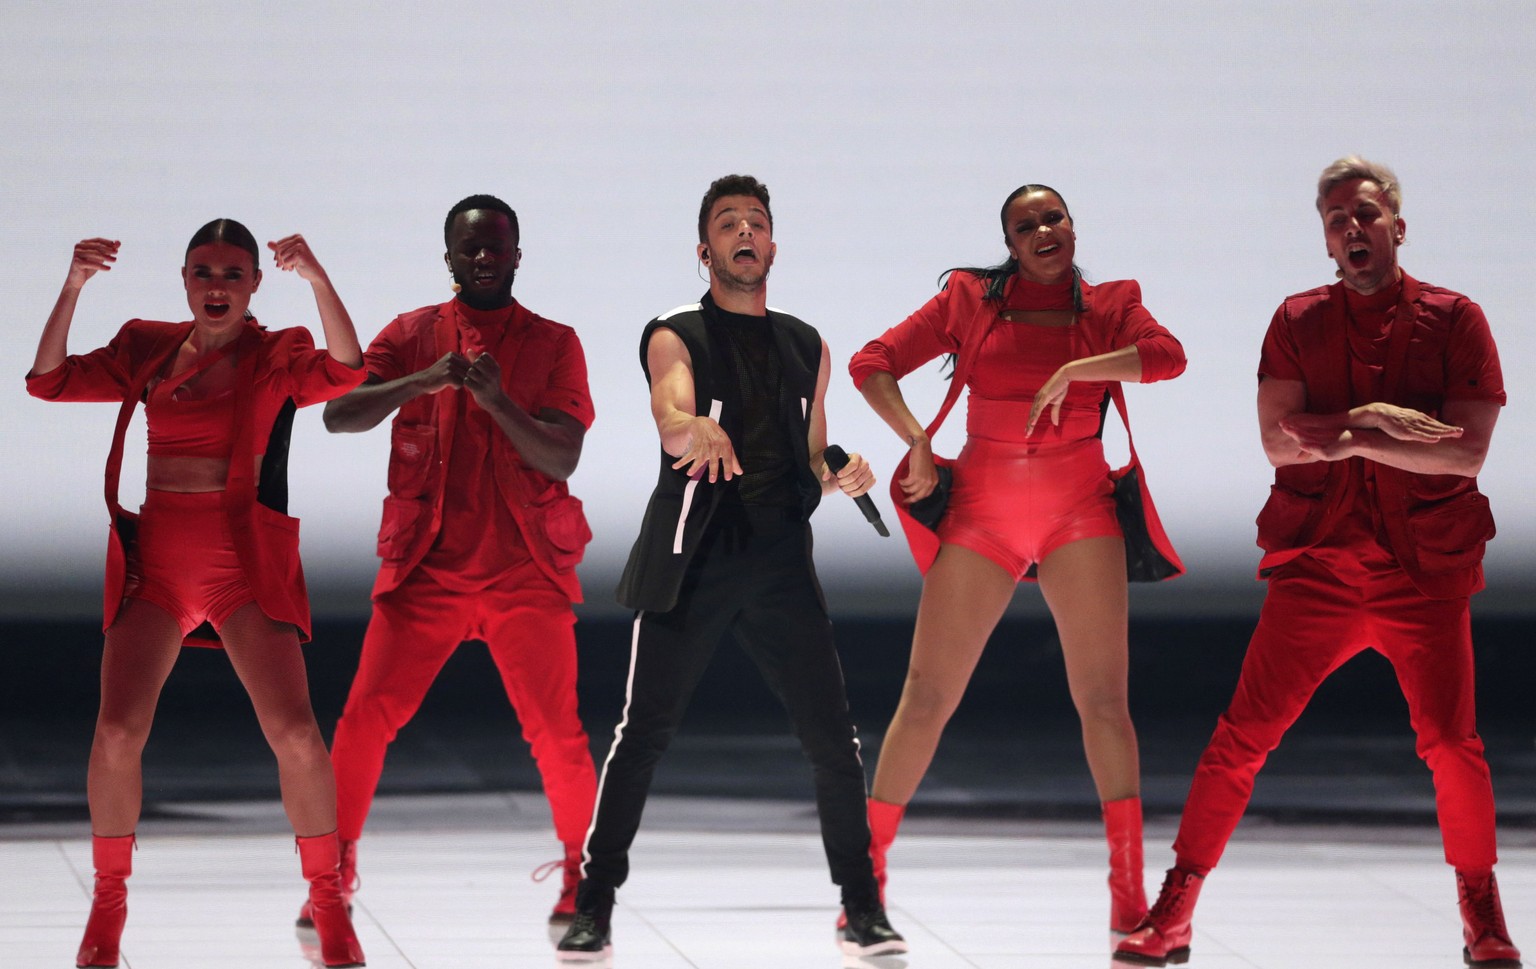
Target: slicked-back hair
{"points": [[230, 231], [472, 202], [1351, 167], [731, 185]]}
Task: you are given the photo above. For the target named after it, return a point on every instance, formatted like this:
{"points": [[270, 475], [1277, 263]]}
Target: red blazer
{"points": [[1437, 525], [542, 365], [275, 367]]}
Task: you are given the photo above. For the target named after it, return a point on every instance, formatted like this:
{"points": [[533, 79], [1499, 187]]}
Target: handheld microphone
{"points": [[837, 460]]}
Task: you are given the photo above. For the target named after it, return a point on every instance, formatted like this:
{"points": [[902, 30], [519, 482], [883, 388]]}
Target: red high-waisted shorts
{"points": [[1016, 504], [186, 562]]}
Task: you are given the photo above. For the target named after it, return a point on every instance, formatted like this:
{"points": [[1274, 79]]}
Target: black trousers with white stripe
{"points": [[752, 578]]}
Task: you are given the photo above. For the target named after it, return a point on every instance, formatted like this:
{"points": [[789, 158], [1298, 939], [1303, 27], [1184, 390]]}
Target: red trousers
{"points": [[528, 625], [1313, 621]]}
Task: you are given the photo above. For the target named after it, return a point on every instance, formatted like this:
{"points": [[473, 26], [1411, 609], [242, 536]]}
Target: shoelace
{"points": [[545, 870], [1482, 900], [1171, 897]]}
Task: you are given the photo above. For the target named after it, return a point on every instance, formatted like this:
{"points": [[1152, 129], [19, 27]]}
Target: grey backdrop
{"points": [[1186, 137]]}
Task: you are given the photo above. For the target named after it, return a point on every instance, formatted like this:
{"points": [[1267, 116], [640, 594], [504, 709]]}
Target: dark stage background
{"points": [[1011, 751]]}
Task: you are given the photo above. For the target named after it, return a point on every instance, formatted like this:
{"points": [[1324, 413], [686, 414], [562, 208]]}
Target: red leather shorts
{"points": [[1016, 505], [186, 561]]}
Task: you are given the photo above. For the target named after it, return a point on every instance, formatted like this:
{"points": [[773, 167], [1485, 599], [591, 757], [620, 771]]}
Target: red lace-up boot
{"points": [[320, 857], [884, 819], [570, 871], [1127, 892], [349, 884], [1163, 936], [113, 860], [1488, 945]]}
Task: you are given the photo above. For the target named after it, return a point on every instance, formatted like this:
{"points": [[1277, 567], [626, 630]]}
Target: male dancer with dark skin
{"points": [[738, 395], [480, 536]]}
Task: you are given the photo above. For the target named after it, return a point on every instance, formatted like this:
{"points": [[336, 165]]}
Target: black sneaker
{"points": [[589, 938], [869, 933]]}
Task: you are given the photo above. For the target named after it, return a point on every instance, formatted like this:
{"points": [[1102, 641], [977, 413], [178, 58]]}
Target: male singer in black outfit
{"points": [[737, 393]]}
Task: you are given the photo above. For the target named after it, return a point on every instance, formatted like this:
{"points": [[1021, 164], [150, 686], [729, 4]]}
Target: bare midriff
{"points": [[189, 475]]}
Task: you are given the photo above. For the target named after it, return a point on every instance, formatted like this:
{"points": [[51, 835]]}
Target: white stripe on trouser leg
{"points": [[618, 735]]}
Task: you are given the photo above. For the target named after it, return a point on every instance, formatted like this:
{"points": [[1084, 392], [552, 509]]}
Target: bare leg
{"points": [[1084, 584], [964, 595], [270, 662], [141, 648]]}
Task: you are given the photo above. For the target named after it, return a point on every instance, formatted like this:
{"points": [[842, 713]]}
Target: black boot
{"points": [[588, 938], [868, 932]]}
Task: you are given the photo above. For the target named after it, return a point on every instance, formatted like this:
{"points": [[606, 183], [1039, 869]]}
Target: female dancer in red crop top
{"points": [[207, 545], [1031, 492]]}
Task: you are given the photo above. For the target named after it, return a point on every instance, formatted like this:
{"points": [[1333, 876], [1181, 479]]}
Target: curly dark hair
{"points": [[731, 185]]}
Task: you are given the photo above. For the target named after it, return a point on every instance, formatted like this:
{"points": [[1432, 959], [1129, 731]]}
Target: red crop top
{"points": [[192, 428]]}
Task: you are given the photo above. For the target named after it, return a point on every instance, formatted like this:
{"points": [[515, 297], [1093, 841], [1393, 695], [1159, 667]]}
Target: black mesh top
{"points": [[765, 452]]}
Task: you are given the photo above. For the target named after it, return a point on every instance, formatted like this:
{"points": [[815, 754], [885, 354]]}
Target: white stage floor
{"points": [[736, 884]]}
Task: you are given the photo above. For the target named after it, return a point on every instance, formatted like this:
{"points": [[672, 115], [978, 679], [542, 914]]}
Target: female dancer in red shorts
{"points": [[1031, 498], [211, 555]]}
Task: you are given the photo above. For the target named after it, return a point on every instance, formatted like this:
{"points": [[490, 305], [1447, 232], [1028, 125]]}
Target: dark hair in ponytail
{"points": [[996, 277], [230, 231]]}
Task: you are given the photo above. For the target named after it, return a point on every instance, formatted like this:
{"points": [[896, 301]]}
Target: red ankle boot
{"points": [[884, 819], [1127, 892], [1488, 945], [113, 860], [1163, 936], [321, 860], [570, 870], [349, 884]]}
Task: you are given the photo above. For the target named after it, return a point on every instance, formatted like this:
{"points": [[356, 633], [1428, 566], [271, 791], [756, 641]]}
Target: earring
{"points": [[455, 285]]}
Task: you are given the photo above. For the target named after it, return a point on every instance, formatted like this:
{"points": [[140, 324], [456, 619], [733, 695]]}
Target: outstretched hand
{"points": [[90, 257], [709, 449], [292, 254]]}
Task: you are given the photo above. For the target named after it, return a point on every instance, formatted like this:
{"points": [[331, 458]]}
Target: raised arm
{"points": [[293, 254], [694, 439], [90, 257]]}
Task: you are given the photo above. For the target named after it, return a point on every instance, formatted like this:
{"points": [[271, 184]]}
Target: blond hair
{"points": [[1353, 166]]}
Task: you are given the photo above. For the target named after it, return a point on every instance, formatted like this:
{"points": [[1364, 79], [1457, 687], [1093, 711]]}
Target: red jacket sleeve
{"points": [[103, 374], [309, 375], [912, 342], [1162, 355], [567, 389]]}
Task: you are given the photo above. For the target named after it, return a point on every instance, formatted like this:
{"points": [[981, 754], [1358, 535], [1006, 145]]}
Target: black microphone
{"points": [[837, 460]]}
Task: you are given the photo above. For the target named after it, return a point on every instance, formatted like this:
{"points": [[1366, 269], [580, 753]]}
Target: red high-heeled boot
{"points": [[113, 860], [884, 820], [1488, 945], [1164, 935], [320, 857], [349, 884], [1127, 892]]}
